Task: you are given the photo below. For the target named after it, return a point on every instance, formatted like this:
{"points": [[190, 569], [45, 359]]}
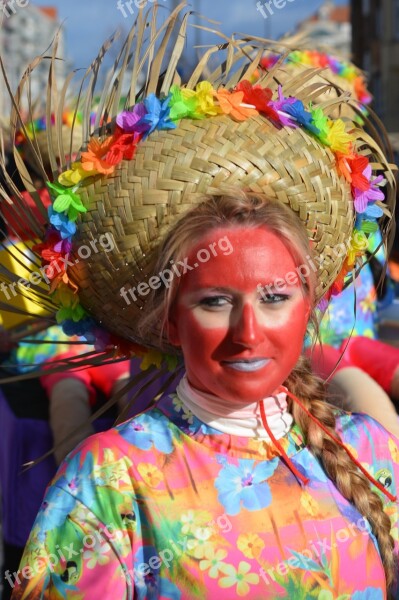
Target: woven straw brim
{"points": [[170, 173], [333, 87]]}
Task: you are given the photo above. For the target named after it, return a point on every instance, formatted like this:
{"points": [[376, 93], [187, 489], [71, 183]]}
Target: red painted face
{"points": [[240, 340]]}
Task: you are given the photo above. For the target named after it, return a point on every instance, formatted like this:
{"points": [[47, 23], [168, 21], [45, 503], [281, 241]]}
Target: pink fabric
{"points": [[102, 377], [83, 375], [377, 359], [325, 359]]}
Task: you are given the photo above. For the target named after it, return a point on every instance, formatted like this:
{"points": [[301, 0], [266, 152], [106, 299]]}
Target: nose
{"points": [[246, 330]]}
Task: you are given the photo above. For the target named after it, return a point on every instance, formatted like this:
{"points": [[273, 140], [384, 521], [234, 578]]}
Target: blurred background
{"points": [[365, 30]]}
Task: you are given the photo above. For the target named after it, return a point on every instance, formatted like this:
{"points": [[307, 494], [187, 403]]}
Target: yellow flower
{"points": [[353, 450], [205, 98], [97, 556], [337, 138], [309, 504], [193, 520], [358, 244], [251, 545], [393, 449], [151, 475], [75, 175], [240, 578], [152, 357], [213, 561], [264, 448], [200, 546]]}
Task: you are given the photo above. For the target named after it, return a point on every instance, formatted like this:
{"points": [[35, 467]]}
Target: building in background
{"points": [[375, 48], [330, 27], [24, 35]]}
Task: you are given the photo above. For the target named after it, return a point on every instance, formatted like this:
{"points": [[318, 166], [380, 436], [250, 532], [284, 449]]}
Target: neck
{"points": [[244, 421]]}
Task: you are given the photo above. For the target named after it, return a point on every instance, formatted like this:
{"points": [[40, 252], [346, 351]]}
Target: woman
{"points": [[228, 486], [237, 484]]}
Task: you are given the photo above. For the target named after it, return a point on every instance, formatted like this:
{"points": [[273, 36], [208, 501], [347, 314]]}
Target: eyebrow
{"points": [[215, 289]]}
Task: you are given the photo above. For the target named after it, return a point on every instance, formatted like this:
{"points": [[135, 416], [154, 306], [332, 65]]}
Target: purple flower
{"points": [[362, 199], [102, 339], [281, 106], [131, 120], [64, 246], [335, 65]]}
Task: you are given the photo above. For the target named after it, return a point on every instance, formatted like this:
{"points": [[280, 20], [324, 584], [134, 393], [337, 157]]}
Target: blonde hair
{"points": [[254, 210]]}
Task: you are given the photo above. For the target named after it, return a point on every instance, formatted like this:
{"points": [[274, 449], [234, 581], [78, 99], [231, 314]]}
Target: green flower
{"points": [[320, 121], [67, 201], [73, 313], [181, 107]]}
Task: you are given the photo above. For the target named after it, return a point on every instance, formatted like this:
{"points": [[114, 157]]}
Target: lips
{"points": [[247, 365]]}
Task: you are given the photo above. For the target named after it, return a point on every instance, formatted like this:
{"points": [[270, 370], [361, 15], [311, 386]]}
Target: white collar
{"points": [[244, 421]]}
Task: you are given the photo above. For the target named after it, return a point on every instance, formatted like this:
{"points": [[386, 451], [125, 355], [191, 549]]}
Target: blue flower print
{"points": [[144, 431], [369, 593], [54, 510], [77, 479], [245, 484], [309, 466], [148, 584]]}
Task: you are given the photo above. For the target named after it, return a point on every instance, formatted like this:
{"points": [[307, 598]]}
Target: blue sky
{"points": [[89, 22]]}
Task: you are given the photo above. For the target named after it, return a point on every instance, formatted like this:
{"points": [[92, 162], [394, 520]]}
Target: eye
{"points": [[274, 298], [214, 301]]}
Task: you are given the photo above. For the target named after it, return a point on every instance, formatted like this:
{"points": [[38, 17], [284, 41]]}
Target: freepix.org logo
{"points": [[177, 269], [9, 7], [126, 6]]}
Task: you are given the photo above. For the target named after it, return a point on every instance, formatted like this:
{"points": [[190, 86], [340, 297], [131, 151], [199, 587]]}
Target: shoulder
{"points": [[118, 449], [359, 429], [373, 446], [142, 431]]}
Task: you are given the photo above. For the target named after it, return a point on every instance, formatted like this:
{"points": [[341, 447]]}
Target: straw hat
{"points": [[177, 141], [36, 149]]}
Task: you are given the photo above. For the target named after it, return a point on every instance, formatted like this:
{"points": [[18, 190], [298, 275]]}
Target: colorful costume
{"points": [[164, 506]]}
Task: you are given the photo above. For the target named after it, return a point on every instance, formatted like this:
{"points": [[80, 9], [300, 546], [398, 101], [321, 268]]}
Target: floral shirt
{"points": [[351, 313], [355, 310], [164, 507]]}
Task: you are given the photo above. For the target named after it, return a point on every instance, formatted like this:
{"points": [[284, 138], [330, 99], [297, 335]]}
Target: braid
{"points": [[352, 484]]}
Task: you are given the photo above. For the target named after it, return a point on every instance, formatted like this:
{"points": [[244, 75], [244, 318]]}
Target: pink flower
{"points": [[128, 119], [362, 199]]}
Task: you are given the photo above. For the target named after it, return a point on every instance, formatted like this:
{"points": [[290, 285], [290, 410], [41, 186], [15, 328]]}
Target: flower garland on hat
{"points": [[40, 124], [313, 58], [132, 126]]}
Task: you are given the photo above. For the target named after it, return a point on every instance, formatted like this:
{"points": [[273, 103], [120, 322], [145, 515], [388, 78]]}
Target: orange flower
{"points": [[361, 90], [230, 103], [93, 159]]}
